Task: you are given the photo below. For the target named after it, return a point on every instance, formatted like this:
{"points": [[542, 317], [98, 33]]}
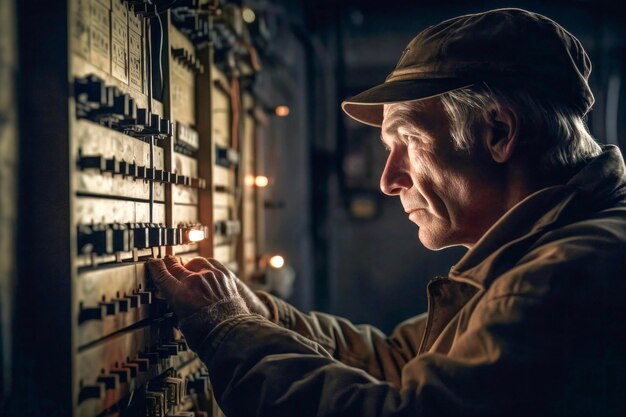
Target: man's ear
{"points": [[501, 132]]}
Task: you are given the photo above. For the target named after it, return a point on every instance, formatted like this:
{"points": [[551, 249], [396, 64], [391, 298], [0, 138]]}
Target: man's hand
{"points": [[253, 302], [190, 290]]}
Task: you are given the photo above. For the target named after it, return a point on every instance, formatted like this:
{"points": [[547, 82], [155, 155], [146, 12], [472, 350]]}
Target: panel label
{"points": [[120, 61], [119, 29], [99, 16], [100, 49], [135, 61]]}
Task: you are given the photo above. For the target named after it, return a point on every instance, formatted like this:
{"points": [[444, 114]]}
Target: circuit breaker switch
{"points": [[90, 90], [88, 392], [140, 235], [133, 369], [122, 373], [155, 404], [226, 157], [145, 297], [109, 381], [155, 235], [92, 162], [112, 165], [133, 300], [111, 307], [95, 238], [122, 238], [91, 313]]}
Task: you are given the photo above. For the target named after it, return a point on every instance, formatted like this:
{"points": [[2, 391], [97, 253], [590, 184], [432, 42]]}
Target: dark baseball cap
{"points": [[500, 47]]}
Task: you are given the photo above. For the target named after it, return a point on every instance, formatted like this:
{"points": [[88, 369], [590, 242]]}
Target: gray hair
{"points": [[555, 133]]}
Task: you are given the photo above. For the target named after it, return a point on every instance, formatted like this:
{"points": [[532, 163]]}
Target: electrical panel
{"points": [[160, 128]]}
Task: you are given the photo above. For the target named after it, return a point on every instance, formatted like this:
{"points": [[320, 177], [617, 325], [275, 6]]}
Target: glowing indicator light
{"points": [[277, 261], [196, 235], [281, 111], [261, 181], [249, 180], [248, 15]]}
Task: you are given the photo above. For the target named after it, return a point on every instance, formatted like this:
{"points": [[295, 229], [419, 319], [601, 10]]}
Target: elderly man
{"points": [[483, 118]]}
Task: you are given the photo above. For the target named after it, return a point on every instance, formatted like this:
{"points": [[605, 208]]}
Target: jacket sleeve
{"points": [[361, 346], [260, 369]]}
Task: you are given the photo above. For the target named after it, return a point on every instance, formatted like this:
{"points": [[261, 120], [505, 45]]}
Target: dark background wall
{"points": [[359, 255]]}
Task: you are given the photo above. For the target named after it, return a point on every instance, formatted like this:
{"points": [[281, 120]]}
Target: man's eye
{"points": [[410, 138]]}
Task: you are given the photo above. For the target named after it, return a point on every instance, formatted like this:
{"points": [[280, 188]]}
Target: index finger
{"points": [[162, 279], [176, 268]]}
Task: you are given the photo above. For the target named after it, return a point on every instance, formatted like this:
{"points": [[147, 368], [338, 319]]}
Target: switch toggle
{"points": [[123, 304], [112, 165], [174, 236], [122, 238], [88, 392], [91, 91], [133, 300], [122, 373], [140, 235], [143, 364], [95, 239], [92, 162], [145, 297], [155, 233], [133, 369], [91, 313], [109, 381], [111, 307]]}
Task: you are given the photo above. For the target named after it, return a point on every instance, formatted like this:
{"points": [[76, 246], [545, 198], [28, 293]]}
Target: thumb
{"points": [[163, 280]]}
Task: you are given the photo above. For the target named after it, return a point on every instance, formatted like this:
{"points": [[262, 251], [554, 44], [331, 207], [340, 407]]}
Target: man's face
{"points": [[447, 193]]}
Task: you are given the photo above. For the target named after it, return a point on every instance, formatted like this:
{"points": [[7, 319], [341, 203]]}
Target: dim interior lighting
{"points": [[277, 261], [249, 180], [248, 15], [281, 111], [261, 181], [196, 235]]}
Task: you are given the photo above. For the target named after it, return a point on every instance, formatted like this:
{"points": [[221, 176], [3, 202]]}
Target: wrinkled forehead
{"points": [[409, 114]]}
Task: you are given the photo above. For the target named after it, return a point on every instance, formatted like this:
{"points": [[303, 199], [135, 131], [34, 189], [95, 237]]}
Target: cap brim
{"points": [[367, 107]]}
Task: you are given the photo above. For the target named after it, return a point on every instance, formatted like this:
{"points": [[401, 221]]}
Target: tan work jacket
{"points": [[530, 322]]}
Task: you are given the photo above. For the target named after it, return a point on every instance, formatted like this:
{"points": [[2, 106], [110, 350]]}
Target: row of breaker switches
{"points": [[165, 396], [125, 373], [111, 107], [133, 170], [187, 60], [115, 306], [108, 239]]}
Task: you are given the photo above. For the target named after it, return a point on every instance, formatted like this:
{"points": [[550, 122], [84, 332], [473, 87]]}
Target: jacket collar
{"points": [[600, 181]]}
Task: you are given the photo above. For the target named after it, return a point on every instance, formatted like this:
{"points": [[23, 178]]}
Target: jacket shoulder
{"points": [[581, 256]]}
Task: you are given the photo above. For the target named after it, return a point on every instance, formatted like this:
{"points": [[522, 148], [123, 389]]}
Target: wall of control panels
{"points": [[157, 137]]}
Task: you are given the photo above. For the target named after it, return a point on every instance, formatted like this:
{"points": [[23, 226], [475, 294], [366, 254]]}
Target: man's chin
{"points": [[435, 241]]}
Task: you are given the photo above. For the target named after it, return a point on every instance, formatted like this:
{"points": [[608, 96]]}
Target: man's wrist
{"points": [[197, 326]]}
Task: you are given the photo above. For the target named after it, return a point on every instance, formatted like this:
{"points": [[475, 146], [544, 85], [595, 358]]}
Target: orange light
{"points": [[196, 235], [277, 261], [261, 181], [281, 111], [249, 180]]}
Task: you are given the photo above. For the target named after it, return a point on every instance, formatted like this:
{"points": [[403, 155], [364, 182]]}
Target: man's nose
{"points": [[396, 176]]}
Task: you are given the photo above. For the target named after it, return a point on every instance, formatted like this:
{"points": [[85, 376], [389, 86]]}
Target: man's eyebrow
{"points": [[393, 127]]}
